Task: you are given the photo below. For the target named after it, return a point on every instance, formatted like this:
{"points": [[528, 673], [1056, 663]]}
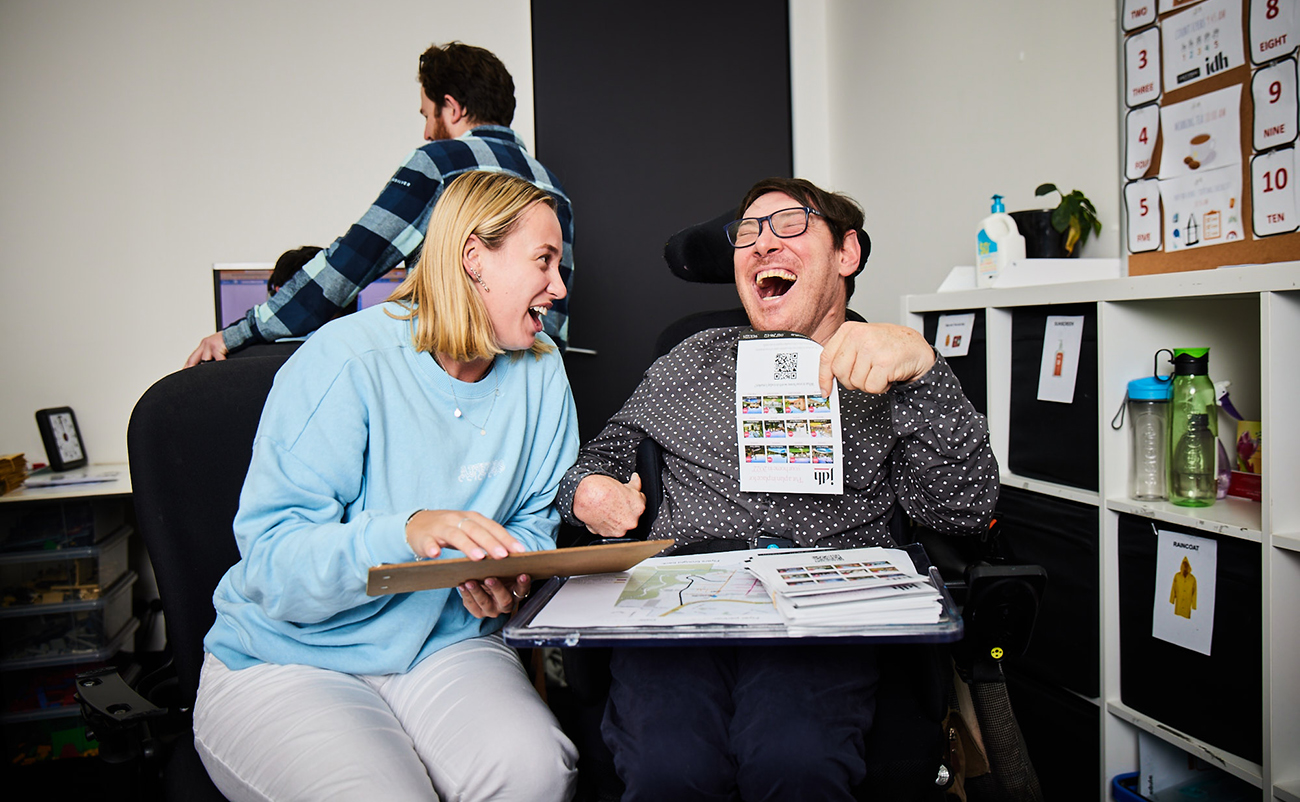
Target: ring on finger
{"points": [[461, 522]]}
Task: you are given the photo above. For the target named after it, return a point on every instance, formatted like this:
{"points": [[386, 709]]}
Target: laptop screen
{"points": [[238, 287]]}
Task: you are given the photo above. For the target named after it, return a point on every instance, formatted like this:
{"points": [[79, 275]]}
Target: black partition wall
{"points": [[655, 116]]}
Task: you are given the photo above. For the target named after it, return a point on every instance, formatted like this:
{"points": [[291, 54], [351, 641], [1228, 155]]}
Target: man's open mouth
{"points": [[774, 282]]}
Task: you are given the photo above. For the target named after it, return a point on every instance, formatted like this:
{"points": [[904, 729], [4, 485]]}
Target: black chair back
{"points": [[189, 443]]}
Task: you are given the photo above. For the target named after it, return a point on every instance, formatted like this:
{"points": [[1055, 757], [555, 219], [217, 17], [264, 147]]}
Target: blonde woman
{"points": [[437, 424]]}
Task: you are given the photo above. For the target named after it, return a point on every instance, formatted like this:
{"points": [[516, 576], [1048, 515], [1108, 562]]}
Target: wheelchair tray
{"points": [[519, 633]]}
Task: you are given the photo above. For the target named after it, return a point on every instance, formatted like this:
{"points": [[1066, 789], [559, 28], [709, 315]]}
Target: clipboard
{"points": [[430, 574]]}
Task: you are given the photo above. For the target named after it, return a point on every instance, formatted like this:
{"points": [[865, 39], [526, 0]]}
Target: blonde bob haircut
{"points": [[447, 314]]}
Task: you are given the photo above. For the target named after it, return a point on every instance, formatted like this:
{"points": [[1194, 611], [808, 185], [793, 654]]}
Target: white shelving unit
{"points": [[1249, 317]]}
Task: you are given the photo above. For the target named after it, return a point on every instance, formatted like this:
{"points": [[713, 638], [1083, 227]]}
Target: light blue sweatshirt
{"points": [[359, 431]]}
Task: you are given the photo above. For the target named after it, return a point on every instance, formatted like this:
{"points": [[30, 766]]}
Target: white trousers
{"points": [[464, 724]]}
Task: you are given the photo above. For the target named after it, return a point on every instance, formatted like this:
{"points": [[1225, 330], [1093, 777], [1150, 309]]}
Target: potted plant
{"points": [[1060, 232]]}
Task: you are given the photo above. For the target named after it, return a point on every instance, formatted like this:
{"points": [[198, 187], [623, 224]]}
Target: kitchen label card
{"points": [[1201, 134], [952, 337]]}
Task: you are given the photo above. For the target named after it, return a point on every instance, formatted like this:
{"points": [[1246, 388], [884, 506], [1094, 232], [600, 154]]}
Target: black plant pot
{"points": [[1041, 240]]}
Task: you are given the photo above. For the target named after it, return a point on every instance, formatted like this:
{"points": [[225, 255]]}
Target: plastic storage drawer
{"points": [[53, 576], [35, 635]]}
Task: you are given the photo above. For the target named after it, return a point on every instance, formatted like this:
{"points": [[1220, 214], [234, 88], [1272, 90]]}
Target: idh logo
{"points": [[823, 475]]}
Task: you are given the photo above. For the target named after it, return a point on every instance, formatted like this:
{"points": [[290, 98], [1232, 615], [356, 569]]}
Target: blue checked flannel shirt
{"points": [[391, 232]]}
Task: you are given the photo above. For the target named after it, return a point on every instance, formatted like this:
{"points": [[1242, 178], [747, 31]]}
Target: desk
{"points": [[518, 631]]}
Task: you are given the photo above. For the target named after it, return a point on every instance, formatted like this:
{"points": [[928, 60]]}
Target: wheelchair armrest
{"points": [[116, 716]]}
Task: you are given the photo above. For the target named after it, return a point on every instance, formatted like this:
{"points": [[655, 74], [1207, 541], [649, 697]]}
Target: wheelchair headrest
{"points": [[702, 252]]}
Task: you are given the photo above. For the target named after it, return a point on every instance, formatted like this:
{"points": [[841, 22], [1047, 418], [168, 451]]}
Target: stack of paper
{"points": [[819, 588], [13, 470]]}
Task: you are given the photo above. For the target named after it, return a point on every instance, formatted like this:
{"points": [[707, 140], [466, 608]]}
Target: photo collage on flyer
{"points": [[788, 432]]}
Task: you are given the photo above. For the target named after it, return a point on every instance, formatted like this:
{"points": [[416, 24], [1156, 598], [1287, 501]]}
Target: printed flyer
{"points": [[788, 433]]}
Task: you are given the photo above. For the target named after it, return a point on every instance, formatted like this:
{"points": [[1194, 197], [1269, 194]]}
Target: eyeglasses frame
{"points": [[808, 212]]}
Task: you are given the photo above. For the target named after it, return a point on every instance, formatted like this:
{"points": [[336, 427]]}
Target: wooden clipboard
{"points": [[429, 574]]}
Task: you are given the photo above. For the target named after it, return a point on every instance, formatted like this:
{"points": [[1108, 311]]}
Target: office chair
{"points": [[189, 443], [908, 748]]}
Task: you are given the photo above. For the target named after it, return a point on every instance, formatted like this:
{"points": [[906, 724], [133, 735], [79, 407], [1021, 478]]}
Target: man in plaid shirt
{"points": [[467, 98]]}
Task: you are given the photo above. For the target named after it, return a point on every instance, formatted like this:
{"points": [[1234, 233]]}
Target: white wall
{"points": [[144, 140], [932, 106]]}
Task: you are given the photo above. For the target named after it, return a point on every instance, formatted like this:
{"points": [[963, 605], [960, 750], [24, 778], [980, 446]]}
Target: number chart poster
{"points": [[1211, 117], [788, 432]]}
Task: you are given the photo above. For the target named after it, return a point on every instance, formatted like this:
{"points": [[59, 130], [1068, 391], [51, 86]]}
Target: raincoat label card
{"points": [[1186, 567], [1201, 134], [788, 434], [1202, 41], [952, 336], [1202, 209], [1062, 343]]}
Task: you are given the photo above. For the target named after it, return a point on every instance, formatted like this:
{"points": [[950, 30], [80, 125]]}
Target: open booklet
{"points": [[830, 587]]}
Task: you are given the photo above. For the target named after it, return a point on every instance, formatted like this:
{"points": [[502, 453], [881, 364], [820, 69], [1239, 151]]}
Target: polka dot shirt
{"points": [[921, 445]]}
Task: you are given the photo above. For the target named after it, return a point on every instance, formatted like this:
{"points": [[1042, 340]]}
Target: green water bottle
{"points": [[1193, 430]]}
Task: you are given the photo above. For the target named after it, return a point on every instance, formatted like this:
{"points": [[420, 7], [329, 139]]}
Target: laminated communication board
{"points": [[1210, 133]]}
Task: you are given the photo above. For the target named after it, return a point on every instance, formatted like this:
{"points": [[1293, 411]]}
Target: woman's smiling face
{"points": [[519, 281]]}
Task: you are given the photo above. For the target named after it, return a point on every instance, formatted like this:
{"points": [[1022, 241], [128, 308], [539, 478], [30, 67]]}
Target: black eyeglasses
{"points": [[784, 223]]}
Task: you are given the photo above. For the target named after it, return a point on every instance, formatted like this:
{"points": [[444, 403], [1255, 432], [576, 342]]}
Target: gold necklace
{"points": [[496, 392]]}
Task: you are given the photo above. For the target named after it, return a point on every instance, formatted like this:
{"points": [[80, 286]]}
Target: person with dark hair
{"points": [[467, 99], [779, 723], [291, 262]]}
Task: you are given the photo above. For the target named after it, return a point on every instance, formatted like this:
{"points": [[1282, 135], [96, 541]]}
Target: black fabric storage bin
{"points": [[1061, 536], [1062, 735], [1046, 440], [1218, 698], [971, 370]]}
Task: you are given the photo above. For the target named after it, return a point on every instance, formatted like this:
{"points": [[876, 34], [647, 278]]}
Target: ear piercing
{"points": [[478, 278]]}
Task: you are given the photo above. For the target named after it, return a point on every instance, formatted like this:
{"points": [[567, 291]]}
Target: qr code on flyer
{"points": [[785, 367]]}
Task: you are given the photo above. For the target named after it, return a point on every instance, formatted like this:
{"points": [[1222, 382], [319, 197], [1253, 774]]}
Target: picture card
{"points": [[1202, 41], [952, 336], [1201, 210], [1062, 344], [1274, 93], [1186, 574], [1273, 193], [1201, 134], [1142, 205], [1142, 67], [1142, 127], [1273, 30]]}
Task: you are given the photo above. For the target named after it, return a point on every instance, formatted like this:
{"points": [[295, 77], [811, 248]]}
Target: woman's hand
{"points": [[493, 597], [428, 532]]}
